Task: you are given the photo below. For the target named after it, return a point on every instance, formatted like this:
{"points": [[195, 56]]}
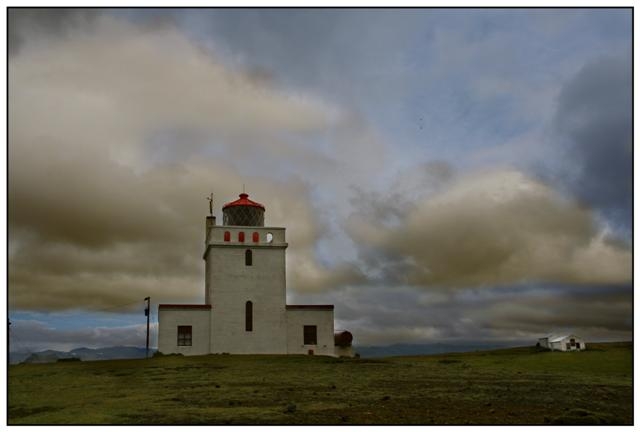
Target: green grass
{"points": [[512, 386]]}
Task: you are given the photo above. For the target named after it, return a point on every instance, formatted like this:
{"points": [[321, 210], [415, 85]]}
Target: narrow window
{"points": [[248, 257], [578, 345], [248, 316], [568, 345], [227, 236], [241, 236], [184, 335], [256, 237], [310, 335]]}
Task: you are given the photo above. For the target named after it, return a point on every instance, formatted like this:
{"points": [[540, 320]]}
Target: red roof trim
{"points": [[243, 201], [183, 306], [318, 307]]}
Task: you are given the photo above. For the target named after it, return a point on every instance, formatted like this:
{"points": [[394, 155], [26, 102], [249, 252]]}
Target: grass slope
{"points": [[511, 386]]}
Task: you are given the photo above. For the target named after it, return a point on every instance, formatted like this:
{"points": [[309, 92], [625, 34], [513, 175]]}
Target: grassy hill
{"points": [[510, 386]]}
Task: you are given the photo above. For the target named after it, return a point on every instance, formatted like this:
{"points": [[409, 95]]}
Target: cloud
{"points": [[607, 309], [47, 23], [518, 314], [117, 134], [491, 228], [593, 125], [33, 335], [118, 130]]}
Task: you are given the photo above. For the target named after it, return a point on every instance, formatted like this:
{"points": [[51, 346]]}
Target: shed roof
{"points": [[555, 338]]}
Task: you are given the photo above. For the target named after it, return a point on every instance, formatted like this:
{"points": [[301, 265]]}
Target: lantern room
{"points": [[243, 212]]}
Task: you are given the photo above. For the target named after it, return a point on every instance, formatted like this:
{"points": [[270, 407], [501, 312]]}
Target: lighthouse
{"points": [[244, 309]]}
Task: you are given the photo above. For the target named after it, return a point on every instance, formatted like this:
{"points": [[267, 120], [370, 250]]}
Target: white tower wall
{"points": [[230, 283]]}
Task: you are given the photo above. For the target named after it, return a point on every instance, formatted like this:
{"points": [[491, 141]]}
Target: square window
{"points": [[310, 335], [184, 335]]}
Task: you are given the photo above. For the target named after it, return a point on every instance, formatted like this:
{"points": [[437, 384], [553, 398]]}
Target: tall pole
{"points": [[147, 313]]}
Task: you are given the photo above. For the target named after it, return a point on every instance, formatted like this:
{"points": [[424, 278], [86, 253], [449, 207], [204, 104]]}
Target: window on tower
{"points": [[256, 237], [241, 236], [184, 335], [248, 257], [227, 236], [248, 316]]}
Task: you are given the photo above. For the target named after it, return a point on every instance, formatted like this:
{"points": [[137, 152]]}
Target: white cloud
{"points": [[492, 228], [117, 133]]}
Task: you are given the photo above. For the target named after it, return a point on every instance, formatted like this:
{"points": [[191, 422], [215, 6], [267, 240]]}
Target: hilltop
{"points": [[130, 352], [506, 386], [84, 354]]}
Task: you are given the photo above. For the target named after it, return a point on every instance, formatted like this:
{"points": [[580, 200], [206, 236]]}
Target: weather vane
{"points": [[210, 199]]}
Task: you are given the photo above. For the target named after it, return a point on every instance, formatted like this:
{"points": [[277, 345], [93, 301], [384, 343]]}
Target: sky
{"points": [[444, 175]]}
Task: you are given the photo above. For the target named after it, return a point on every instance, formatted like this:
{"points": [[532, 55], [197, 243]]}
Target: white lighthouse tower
{"points": [[245, 281], [245, 310]]}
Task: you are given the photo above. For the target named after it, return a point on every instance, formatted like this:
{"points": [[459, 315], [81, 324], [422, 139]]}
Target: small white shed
{"points": [[569, 342]]}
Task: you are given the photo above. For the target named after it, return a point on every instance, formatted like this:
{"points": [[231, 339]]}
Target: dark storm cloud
{"points": [[520, 313], [594, 117], [593, 310], [58, 22]]}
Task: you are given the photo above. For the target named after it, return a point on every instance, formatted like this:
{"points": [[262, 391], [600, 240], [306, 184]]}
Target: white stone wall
{"points": [[230, 284], [562, 344], [170, 319], [297, 319], [216, 234], [215, 242]]}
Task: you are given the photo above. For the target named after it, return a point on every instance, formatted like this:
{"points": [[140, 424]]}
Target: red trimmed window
{"points": [[227, 236], [241, 236], [256, 237]]}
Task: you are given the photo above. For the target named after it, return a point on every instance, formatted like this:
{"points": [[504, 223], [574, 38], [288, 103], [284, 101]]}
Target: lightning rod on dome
{"points": [[210, 199]]}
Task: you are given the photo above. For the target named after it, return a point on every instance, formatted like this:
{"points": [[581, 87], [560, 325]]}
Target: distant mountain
{"points": [[110, 353], [425, 349], [48, 356], [128, 352], [84, 354]]}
